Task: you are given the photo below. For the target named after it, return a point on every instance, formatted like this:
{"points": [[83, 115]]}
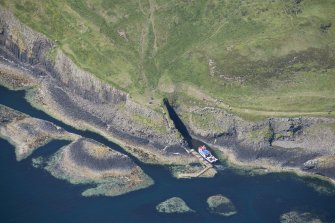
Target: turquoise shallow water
{"points": [[32, 195]]}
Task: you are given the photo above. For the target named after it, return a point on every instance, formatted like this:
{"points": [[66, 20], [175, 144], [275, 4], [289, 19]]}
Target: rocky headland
{"points": [[173, 205], [86, 161]]}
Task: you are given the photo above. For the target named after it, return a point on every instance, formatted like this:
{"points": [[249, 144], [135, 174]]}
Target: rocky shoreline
{"points": [[62, 89]]}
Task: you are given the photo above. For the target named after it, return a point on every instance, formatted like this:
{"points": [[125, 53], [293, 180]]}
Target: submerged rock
{"points": [[173, 205], [298, 217], [221, 205], [86, 161]]}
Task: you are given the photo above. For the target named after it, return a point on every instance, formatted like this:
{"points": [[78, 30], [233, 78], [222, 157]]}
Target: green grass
{"points": [[322, 127], [206, 121], [147, 121], [269, 56], [263, 134]]}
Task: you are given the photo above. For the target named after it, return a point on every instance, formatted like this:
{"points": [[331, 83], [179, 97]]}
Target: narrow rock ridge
{"points": [[27, 134], [82, 100]]}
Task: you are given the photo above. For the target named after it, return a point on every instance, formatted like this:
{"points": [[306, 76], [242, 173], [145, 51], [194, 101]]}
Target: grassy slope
{"points": [[269, 58]]}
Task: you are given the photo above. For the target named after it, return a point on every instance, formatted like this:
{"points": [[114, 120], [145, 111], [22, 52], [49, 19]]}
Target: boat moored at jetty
{"points": [[205, 153]]}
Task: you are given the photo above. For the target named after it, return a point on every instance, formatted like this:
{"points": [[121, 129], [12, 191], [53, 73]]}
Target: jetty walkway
{"points": [[206, 165]]}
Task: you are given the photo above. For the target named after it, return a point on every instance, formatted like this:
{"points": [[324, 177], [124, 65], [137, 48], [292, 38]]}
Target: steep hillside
{"points": [[256, 58]]}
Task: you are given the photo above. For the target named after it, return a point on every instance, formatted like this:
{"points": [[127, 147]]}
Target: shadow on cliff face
{"points": [[178, 123]]}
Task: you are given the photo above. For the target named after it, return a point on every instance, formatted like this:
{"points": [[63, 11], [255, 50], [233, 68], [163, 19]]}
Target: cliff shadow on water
{"points": [[178, 123]]}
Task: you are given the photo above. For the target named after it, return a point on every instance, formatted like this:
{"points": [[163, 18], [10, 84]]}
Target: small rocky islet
{"points": [[173, 205], [299, 217], [221, 205]]}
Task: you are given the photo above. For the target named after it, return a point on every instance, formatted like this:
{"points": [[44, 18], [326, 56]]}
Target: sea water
{"points": [[29, 194]]}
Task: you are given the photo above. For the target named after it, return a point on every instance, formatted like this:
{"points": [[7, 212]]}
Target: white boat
{"points": [[206, 154]]}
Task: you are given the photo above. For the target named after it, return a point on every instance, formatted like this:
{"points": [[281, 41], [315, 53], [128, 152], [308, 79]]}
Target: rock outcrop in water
{"points": [[27, 133], [298, 217], [221, 205], [83, 161], [173, 205], [82, 100], [86, 161]]}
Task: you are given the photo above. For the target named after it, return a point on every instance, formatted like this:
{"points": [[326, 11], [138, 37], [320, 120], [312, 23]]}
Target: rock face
{"points": [[173, 205], [82, 100], [221, 205], [86, 161], [303, 143], [26, 133], [298, 217]]}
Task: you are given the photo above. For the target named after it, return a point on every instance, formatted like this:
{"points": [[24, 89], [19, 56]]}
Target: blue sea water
{"points": [[28, 194]]}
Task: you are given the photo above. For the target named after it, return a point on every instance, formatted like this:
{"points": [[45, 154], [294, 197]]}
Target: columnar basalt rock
{"points": [[82, 100]]}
